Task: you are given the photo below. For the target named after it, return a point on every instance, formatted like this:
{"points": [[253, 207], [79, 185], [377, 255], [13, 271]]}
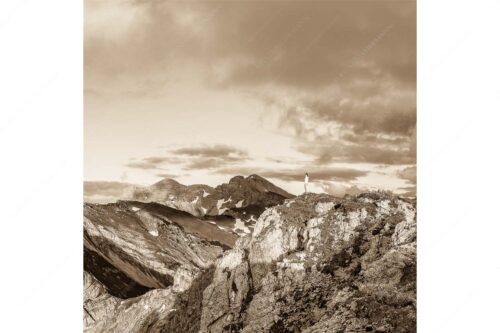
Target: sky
{"points": [[201, 91]]}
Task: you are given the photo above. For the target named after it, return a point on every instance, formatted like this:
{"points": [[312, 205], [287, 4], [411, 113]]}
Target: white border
{"points": [[457, 165], [41, 142], [41, 169]]}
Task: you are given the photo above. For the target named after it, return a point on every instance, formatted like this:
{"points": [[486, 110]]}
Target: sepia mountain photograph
{"points": [[249, 166]]}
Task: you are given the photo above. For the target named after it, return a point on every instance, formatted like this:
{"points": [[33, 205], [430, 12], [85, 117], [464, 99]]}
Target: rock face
{"points": [[320, 264], [313, 264], [143, 262], [160, 310], [134, 247], [97, 302]]}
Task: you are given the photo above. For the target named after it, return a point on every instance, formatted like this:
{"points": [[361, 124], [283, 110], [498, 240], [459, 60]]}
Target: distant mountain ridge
{"points": [[230, 198]]}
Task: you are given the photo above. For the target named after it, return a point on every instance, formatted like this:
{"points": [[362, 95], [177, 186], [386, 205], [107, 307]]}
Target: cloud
{"points": [[295, 44], [213, 151], [366, 122], [315, 174], [210, 156], [199, 157], [104, 191], [340, 190], [410, 191], [168, 175], [141, 165], [203, 164], [381, 109], [151, 163], [309, 44], [331, 150], [409, 174], [340, 76]]}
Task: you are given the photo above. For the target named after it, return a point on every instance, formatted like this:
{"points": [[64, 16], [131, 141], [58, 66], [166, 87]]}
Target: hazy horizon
{"points": [[203, 91]]}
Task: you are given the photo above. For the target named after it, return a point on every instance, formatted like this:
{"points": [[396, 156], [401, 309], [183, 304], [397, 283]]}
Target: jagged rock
{"points": [[224, 299], [145, 246], [172, 309], [143, 263], [319, 264], [97, 302], [314, 264]]}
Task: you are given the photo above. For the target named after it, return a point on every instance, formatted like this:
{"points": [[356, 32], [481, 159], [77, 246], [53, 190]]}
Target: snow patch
{"points": [[239, 204], [153, 232], [205, 194], [220, 202], [135, 209], [239, 224]]}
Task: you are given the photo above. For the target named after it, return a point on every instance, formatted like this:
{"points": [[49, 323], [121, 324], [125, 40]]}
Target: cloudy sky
{"points": [[203, 91]]}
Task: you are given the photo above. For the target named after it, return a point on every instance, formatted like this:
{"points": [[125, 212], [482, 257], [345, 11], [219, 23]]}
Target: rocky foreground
{"points": [[313, 264]]}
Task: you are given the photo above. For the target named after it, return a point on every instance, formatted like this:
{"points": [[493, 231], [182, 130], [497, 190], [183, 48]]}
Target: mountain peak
{"points": [[166, 182], [236, 179], [256, 177]]}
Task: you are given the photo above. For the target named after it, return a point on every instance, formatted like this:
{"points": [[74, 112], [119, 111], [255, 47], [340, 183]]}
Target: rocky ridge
{"points": [[133, 247], [313, 264]]}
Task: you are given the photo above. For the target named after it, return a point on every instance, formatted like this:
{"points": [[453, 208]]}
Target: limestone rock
{"points": [[313, 264], [320, 264]]}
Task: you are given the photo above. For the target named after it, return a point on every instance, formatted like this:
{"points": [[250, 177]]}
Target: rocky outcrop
{"points": [[143, 263], [314, 264], [320, 264], [170, 309], [134, 247], [98, 304]]}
